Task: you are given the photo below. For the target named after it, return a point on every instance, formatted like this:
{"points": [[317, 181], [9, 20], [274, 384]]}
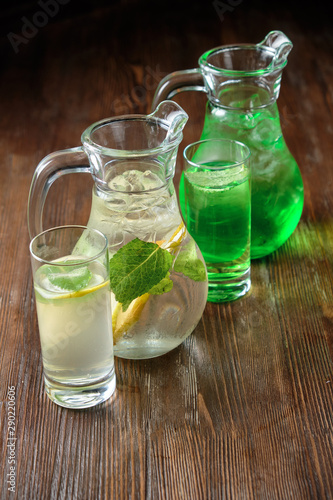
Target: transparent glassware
{"points": [[217, 213], [132, 160], [242, 83], [72, 291]]}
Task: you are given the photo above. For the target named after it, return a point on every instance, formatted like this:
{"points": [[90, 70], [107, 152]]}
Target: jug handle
{"points": [[176, 82], [52, 167]]}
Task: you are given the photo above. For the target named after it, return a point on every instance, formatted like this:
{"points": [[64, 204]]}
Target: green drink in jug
{"points": [[242, 83], [277, 187]]}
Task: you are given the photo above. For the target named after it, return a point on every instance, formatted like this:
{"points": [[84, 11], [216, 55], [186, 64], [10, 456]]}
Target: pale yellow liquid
{"points": [[165, 320], [75, 330]]}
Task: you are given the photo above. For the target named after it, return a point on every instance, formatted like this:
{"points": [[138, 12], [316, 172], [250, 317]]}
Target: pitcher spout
{"points": [[281, 44], [174, 117]]}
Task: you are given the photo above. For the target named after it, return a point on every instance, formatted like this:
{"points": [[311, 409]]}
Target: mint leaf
{"points": [[165, 285], [69, 278], [188, 263], [136, 268]]}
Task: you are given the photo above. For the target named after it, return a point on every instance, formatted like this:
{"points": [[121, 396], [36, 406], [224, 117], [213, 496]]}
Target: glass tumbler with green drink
{"points": [[72, 290], [218, 213]]}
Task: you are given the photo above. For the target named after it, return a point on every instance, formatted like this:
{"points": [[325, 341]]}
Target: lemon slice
{"points": [[81, 293], [46, 295], [122, 321], [176, 238]]}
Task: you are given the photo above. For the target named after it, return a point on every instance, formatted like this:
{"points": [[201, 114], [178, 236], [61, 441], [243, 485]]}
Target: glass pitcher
{"points": [[132, 161], [242, 83]]}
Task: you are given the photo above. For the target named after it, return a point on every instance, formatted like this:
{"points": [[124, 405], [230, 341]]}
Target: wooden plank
{"points": [[243, 408]]}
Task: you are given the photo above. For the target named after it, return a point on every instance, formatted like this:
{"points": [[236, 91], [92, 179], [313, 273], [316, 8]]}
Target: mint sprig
{"points": [[141, 267], [136, 268], [188, 263], [67, 277], [165, 285]]}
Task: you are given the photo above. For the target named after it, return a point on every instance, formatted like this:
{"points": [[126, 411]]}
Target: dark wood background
{"points": [[243, 409]]}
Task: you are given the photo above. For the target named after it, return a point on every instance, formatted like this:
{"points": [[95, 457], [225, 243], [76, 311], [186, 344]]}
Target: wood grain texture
{"points": [[243, 408]]}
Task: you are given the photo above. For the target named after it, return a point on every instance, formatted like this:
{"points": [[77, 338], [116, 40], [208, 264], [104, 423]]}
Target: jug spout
{"points": [[281, 44], [174, 117]]}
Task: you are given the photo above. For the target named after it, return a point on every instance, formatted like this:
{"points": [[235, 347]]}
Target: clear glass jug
{"points": [[242, 83], [132, 160]]}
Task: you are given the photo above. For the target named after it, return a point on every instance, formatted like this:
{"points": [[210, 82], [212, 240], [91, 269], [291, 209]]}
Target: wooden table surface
{"points": [[243, 408]]}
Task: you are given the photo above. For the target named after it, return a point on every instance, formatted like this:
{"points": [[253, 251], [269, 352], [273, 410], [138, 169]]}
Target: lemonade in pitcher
{"points": [[158, 278]]}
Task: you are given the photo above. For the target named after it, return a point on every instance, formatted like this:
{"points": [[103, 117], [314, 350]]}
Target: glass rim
{"points": [[71, 264], [235, 163], [205, 64], [88, 142]]}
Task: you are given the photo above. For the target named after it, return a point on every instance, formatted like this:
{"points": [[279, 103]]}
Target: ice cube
{"points": [[120, 183]]}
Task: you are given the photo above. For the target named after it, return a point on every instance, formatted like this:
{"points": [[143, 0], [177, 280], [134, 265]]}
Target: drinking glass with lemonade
{"points": [[72, 289]]}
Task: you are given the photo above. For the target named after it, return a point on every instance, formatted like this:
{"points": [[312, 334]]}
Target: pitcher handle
{"points": [[52, 167], [176, 82]]}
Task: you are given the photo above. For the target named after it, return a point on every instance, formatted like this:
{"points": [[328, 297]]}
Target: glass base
{"points": [[146, 349], [80, 397], [228, 289]]}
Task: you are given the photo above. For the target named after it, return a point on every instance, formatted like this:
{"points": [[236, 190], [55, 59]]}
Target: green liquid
{"points": [[276, 187], [218, 217]]}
